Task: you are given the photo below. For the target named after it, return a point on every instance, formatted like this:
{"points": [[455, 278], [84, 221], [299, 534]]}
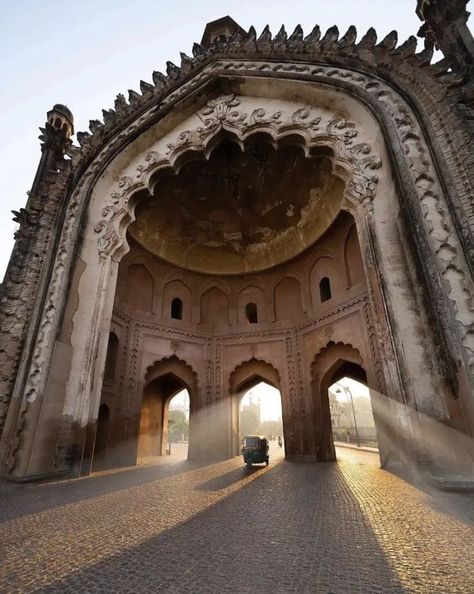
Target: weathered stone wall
{"points": [[400, 131]]}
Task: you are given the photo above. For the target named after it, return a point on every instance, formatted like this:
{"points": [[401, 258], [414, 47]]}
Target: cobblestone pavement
{"points": [[179, 527]]}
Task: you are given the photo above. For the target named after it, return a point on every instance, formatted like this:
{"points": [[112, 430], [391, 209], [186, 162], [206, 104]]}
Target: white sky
{"points": [[270, 401], [357, 389], [83, 53], [181, 402]]}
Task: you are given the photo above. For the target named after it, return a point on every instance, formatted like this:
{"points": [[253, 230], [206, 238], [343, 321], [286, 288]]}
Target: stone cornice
{"points": [[384, 57]]}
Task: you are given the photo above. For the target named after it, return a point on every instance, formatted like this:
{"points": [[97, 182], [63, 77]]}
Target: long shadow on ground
{"points": [[294, 528], [33, 498]]}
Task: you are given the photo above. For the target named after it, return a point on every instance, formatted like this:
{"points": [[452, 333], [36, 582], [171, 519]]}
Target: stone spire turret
{"points": [[445, 25], [26, 278]]}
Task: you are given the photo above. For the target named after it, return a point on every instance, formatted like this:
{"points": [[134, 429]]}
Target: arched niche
{"points": [[111, 358], [101, 438], [139, 288], [325, 267], [287, 300], [354, 266], [251, 295], [176, 289], [214, 308]]}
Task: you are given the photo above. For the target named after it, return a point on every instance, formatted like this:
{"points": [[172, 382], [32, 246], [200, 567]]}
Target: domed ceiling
{"points": [[239, 211]]}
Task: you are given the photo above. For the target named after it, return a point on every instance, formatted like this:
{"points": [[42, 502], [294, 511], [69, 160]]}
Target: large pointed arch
{"points": [[245, 376], [375, 81]]}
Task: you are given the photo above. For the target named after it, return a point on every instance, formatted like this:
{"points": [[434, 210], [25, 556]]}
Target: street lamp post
{"points": [[345, 389]]}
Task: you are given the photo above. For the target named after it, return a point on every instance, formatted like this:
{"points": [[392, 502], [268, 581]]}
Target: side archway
{"points": [[324, 372], [334, 362], [163, 380]]}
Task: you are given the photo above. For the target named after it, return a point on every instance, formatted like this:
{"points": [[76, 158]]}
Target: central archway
{"points": [[245, 377]]}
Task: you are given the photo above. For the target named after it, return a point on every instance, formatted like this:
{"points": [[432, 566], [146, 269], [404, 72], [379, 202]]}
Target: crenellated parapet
{"points": [[441, 96], [312, 48]]}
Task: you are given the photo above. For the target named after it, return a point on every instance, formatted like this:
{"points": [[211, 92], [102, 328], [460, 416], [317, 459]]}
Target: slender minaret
{"points": [[27, 276]]}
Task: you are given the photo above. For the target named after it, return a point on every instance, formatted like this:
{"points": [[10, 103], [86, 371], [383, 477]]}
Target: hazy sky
{"points": [[83, 53]]}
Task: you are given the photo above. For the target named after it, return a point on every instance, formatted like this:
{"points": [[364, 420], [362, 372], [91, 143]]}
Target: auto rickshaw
{"points": [[255, 450]]}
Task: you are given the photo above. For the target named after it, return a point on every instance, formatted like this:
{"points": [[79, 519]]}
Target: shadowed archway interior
{"points": [[242, 210]]}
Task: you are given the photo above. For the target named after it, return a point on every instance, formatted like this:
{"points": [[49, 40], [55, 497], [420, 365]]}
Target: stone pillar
{"points": [[22, 293]]}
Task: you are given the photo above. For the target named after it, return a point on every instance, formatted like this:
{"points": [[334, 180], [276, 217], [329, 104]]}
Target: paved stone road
{"points": [[178, 527]]}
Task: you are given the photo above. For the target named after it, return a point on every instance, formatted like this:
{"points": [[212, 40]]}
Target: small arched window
{"points": [[251, 313], [177, 309], [112, 354], [325, 289]]}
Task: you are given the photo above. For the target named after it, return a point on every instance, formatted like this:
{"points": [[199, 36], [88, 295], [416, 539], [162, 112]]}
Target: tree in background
{"points": [[178, 426]]}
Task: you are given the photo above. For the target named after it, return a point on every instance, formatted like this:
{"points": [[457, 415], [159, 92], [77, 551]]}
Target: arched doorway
{"points": [[352, 417], [101, 438], [332, 364], [260, 412], [153, 431], [164, 380], [254, 387]]}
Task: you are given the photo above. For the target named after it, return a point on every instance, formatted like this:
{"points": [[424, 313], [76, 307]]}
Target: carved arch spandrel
{"points": [[333, 351], [250, 369], [176, 366]]}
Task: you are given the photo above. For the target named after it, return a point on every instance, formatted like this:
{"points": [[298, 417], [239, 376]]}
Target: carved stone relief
{"points": [[355, 159]]}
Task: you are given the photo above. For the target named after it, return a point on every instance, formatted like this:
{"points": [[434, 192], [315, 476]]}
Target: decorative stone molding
{"points": [[152, 371], [356, 357], [253, 361], [355, 162]]}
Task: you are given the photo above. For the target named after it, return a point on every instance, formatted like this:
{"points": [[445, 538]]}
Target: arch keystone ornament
{"points": [[265, 150]]}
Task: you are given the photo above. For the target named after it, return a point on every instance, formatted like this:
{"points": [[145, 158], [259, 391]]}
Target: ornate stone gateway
{"points": [[284, 209]]}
